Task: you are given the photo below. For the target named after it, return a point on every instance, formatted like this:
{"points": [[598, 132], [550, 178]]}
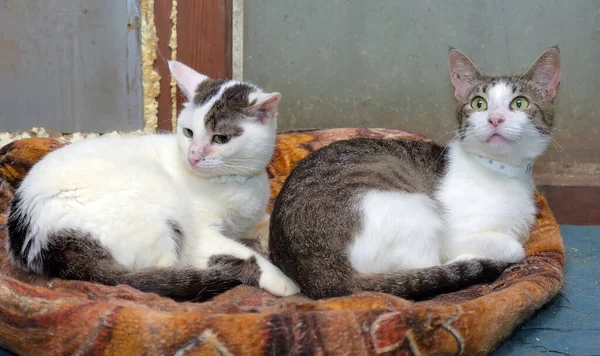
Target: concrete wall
{"points": [[341, 63], [70, 65]]}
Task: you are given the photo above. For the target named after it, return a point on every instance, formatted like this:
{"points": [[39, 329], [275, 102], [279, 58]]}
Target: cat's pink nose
{"points": [[495, 120], [193, 161], [194, 156]]}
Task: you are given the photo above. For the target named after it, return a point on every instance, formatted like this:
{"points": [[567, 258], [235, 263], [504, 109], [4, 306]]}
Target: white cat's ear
{"points": [[546, 72], [265, 106], [463, 73], [187, 79]]}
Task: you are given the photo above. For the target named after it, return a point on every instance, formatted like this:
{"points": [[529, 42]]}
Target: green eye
{"points": [[519, 103], [479, 104], [221, 139], [188, 133]]}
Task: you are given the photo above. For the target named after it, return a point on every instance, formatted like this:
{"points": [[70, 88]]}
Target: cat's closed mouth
{"points": [[497, 138]]}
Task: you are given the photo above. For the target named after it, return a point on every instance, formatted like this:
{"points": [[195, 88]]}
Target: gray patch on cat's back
{"points": [[323, 189], [177, 235]]}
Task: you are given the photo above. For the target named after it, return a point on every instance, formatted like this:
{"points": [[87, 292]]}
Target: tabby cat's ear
{"points": [[545, 72], [264, 106], [187, 79], [463, 73]]}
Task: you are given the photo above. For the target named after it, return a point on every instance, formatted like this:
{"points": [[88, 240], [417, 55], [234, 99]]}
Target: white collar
{"points": [[510, 170], [228, 179]]}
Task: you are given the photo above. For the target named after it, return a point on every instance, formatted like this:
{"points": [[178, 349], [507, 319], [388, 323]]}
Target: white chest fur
{"points": [[479, 202], [235, 207]]}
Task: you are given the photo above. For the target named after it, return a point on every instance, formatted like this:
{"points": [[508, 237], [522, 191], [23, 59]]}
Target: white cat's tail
{"points": [[428, 282]]}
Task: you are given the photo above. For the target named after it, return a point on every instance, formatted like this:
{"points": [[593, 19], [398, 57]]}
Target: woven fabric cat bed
{"points": [[39, 316]]}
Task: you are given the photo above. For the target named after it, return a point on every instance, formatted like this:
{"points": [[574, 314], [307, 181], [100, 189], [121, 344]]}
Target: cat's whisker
{"points": [[437, 161], [559, 150], [556, 129], [554, 142], [551, 157], [245, 160], [452, 131]]}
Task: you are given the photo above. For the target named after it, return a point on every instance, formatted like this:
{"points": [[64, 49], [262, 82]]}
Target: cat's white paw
{"points": [[511, 251], [493, 247], [464, 257], [275, 282]]}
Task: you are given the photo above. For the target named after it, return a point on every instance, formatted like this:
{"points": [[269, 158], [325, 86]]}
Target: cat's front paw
{"points": [[511, 251], [493, 246], [276, 282], [463, 257]]}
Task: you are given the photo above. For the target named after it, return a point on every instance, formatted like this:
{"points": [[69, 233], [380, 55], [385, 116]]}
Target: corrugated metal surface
{"points": [[70, 65]]}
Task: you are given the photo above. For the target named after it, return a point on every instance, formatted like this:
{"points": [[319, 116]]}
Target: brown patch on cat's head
{"points": [[206, 90], [227, 112], [235, 104]]}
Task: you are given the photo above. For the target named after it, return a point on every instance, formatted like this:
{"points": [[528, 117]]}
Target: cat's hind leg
{"points": [[399, 231]]}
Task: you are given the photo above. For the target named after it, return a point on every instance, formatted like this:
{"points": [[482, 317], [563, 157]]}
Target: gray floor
{"points": [[570, 324]]}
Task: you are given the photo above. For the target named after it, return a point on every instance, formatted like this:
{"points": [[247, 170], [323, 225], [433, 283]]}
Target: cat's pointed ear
{"points": [[545, 72], [463, 73], [265, 106], [187, 79]]}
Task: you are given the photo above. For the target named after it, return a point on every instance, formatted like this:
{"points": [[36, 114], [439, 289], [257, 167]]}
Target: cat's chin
{"points": [[497, 145], [497, 140], [201, 171], [494, 150]]}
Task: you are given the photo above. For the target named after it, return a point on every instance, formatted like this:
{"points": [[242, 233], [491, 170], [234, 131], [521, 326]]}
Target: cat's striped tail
{"points": [[428, 282], [71, 255]]}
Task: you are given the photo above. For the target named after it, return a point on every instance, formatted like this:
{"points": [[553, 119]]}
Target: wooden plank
{"points": [[574, 205], [70, 66], [204, 36], [567, 173], [162, 12], [203, 43]]}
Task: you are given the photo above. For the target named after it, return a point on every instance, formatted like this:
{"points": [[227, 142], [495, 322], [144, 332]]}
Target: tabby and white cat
{"points": [[161, 213], [411, 218]]}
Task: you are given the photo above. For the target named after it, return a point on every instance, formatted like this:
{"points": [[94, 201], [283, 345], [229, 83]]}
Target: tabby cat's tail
{"points": [[69, 255], [428, 282]]}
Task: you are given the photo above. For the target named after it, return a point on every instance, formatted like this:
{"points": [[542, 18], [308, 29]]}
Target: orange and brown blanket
{"points": [[39, 316]]}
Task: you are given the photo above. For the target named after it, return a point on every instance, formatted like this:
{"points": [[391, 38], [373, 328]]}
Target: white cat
{"points": [[162, 213]]}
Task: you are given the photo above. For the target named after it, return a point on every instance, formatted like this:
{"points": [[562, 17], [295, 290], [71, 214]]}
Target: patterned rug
{"points": [[40, 316]]}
